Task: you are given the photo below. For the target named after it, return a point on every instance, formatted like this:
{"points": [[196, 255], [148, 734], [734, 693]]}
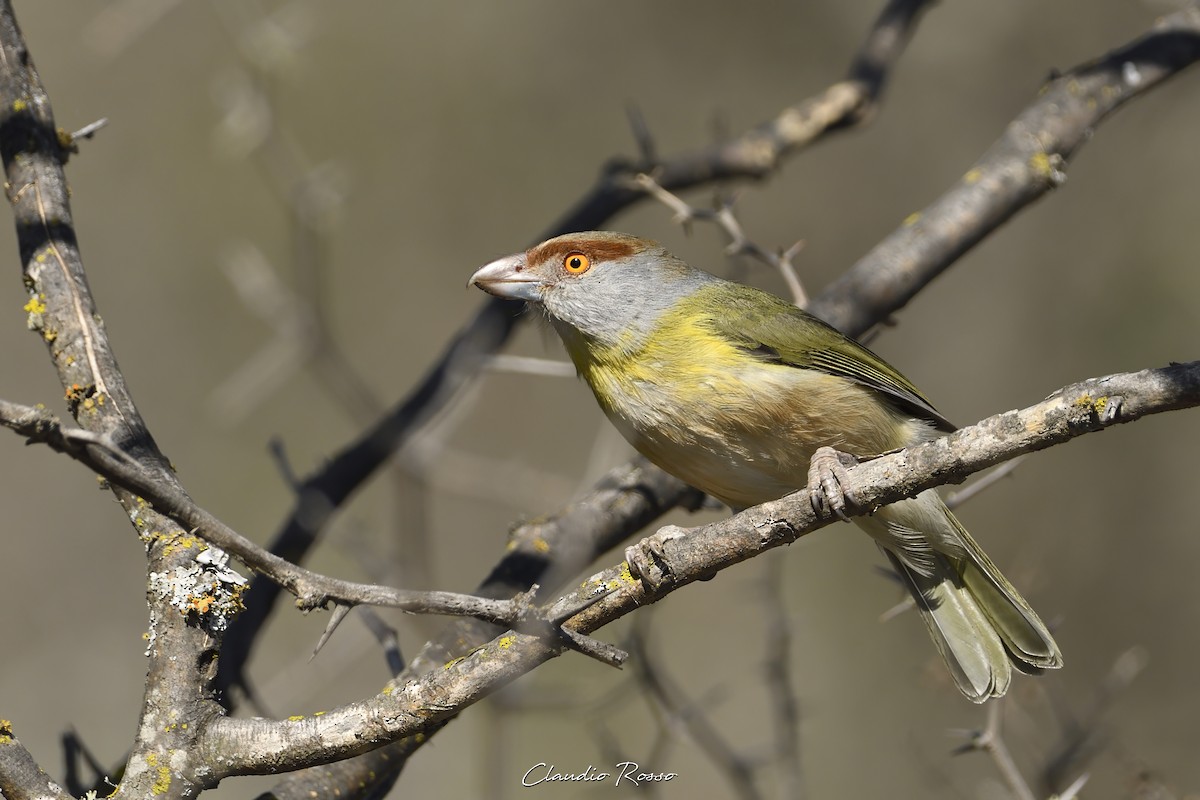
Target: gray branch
{"points": [[676, 558]]}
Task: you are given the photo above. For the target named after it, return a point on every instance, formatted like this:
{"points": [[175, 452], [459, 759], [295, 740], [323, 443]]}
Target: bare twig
{"points": [[989, 479], [990, 740], [1072, 791], [785, 706], [739, 243], [1084, 736], [689, 715], [529, 365]]}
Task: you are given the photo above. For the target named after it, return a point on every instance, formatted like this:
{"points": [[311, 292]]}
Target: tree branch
{"points": [[20, 776], [312, 590], [1026, 162], [673, 558], [61, 310]]}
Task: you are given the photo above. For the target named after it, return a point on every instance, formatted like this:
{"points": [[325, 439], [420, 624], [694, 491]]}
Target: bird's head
{"points": [[607, 286]]}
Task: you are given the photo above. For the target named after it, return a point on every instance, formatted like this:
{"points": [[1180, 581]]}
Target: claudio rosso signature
{"points": [[626, 772]]}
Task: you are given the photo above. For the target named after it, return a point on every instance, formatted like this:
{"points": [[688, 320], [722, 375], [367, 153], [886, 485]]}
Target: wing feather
{"points": [[777, 331]]}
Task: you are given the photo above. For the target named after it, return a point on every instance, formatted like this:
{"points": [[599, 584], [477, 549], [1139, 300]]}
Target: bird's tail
{"points": [[979, 622]]}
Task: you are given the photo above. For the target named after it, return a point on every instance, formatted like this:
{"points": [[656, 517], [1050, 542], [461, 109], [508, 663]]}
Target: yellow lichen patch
{"points": [[36, 305], [1049, 167], [627, 576], [1040, 163], [183, 541], [541, 545], [163, 784], [19, 105], [973, 176], [318, 713], [912, 219], [1096, 405], [387, 690], [92, 403], [505, 642], [295, 717], [452, 662], [6, 731]]}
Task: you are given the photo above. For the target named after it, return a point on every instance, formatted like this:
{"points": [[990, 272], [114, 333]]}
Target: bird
{"points": [[747, 397]]}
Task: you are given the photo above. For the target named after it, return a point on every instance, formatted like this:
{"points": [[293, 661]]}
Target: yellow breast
{"points": [[726, 422]]}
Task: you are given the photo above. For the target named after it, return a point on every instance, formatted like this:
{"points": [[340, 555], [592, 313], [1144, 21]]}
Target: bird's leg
{"points": [[827, 479]]}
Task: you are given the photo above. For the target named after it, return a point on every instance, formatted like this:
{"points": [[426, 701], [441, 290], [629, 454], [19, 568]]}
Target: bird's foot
{"points": [[827, 479], [647, 559]]}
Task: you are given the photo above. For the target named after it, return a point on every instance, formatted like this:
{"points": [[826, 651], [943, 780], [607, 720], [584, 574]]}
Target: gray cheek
{"points": [[589, 308]]}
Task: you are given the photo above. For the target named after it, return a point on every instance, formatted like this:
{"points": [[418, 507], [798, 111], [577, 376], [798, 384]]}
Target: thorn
{"points": [[89, 130], [339, 613]]}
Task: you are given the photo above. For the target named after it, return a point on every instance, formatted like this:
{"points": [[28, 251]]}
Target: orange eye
{"points": [[576, 263]]}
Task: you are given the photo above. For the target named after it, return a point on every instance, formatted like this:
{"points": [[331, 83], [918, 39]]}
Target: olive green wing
{"points": [[777, 331]]}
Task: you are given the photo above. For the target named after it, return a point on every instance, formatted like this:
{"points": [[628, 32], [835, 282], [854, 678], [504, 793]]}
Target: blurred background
{"points": [[420, 140]]}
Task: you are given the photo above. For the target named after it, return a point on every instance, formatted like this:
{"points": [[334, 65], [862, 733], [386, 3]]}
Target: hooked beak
{"points": [[506, 277]]}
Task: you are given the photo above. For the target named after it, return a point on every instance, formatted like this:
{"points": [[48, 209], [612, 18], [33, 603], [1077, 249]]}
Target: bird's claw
{"points": [[647, 559], [827, 482]]}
